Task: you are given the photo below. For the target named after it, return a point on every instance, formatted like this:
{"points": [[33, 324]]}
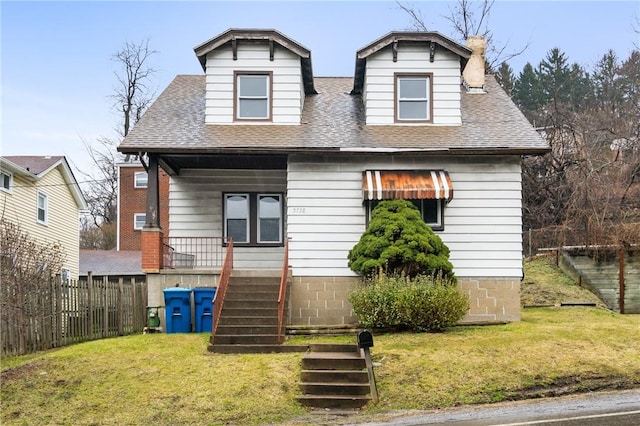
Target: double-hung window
{"points": [[140, 179], [5, 181], [43, 208], [413, 97], [253, 95], [253, 218], [237, 217], [139, 219]]}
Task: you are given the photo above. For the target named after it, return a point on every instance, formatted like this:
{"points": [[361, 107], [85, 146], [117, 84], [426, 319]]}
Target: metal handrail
{"points": [[223, 284], [283, 289]]}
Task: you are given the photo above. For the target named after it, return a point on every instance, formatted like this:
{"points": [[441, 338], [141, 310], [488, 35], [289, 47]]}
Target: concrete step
{"points": [[333, 361], [333, 376], [335, 401], [255, 349], [249, 304], [334, 347], [243, 294], [254, 312], [254, 281], [244, 320], [335, 388], [245, 339], [247, 329]]}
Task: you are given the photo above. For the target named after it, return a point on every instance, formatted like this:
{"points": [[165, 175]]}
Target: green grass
{"points": [[168, 379]]}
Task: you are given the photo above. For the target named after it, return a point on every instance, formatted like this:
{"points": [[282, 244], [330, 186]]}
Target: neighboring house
{"points": [[42, 196], [260, 150], [132, 204]]}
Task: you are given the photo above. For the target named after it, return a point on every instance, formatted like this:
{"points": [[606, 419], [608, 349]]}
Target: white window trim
{"points": [[427, 100], [45, 208], [135, 221], [248, 218], [2, 174], [136, 183], [268, 81], [259, 222]]}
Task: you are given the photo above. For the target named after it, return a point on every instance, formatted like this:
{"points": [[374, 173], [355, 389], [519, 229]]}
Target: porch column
{"points": [[152, 247]]}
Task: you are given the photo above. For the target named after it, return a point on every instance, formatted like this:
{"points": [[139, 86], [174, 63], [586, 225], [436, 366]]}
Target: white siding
{"points": [[378, 93], [20, 207], [483, 223], [288, 90], [195, 208]]}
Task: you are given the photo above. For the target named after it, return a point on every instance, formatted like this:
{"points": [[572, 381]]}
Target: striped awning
{"points": [[406, 184]]}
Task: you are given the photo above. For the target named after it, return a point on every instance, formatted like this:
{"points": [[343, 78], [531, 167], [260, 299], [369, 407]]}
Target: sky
{"points": [[57, 72]]}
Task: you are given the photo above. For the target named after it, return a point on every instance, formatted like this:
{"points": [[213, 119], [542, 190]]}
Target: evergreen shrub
{"points": [[421, 303], [398, 242]]}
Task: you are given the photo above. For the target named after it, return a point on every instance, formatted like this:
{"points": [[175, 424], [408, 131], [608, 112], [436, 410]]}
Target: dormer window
{"points": [[253, 95], [413, 98]]}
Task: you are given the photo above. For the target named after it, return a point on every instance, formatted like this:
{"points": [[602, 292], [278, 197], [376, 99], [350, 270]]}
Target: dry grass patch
{"points": [[154, 379]]}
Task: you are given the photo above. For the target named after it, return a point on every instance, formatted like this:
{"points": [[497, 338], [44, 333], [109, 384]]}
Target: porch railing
{"points": [[221, 291], [193, 252], [284, 277]]}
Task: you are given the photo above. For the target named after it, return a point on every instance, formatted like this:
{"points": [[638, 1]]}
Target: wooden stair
{"points": [[249, 319], [334, 377]]}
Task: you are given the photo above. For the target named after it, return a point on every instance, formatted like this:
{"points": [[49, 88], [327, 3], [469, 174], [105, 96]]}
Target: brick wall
{"points": [[134, 200]]}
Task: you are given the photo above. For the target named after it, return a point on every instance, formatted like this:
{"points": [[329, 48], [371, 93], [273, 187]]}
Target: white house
{"points": [[260, 150]]}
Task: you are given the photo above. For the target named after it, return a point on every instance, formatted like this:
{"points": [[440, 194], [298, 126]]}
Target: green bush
{"points": [[398, 242], [422, 303]]}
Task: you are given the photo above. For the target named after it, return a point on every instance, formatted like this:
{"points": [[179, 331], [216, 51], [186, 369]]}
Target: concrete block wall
{"points": [[324, 301], [321, 301], [491, 300]]}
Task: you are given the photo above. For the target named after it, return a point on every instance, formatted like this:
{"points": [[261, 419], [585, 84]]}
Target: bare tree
{"points": [[469, 18], [132, 96]]}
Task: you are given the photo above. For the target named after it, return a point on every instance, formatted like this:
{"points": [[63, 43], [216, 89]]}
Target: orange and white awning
{"points": [[406, 184]]}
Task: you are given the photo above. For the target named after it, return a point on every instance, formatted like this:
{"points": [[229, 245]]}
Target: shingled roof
{"points": [[332, 121]]}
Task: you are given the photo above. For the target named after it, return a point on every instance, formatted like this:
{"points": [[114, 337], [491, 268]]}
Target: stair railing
{"points": [[284, 277], [223, 283]]}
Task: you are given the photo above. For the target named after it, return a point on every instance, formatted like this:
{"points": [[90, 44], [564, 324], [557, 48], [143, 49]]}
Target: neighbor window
{"points": [[140, 180], [430, 209], [253, 218], [413, 97], [139, 219], [253, 96], [43, 212], [5, 180]]}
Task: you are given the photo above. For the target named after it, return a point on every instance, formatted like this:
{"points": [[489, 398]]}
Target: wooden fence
{"points": [[63, 313]]}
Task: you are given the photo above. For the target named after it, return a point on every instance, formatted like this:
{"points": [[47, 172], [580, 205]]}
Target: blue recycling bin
{"points": [[203, 302], [177, 309]]}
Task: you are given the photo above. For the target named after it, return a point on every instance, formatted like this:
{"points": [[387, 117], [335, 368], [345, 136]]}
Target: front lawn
{"points": [[170, 379]]}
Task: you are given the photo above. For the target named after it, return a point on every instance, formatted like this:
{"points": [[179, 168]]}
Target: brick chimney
{"points": [[473, 73]]}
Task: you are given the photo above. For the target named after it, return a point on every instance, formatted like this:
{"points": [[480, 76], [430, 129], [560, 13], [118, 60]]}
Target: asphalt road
{"points": [[602, 409]]}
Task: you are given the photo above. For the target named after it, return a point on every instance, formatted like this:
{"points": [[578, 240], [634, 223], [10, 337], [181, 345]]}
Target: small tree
{"points": [[399, 242]]}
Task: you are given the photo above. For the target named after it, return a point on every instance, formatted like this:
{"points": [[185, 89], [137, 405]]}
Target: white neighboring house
{"points": [[42, 196], [260, 150]]}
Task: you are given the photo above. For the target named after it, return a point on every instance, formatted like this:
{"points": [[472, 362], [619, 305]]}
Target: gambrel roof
{"points": [[332, 121]]}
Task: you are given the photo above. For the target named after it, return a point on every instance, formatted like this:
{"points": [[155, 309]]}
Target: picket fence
{"points": [[62, 313]]}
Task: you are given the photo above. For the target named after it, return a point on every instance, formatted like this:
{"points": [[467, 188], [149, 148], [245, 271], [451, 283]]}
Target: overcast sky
{"points": [[57, 73]]}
